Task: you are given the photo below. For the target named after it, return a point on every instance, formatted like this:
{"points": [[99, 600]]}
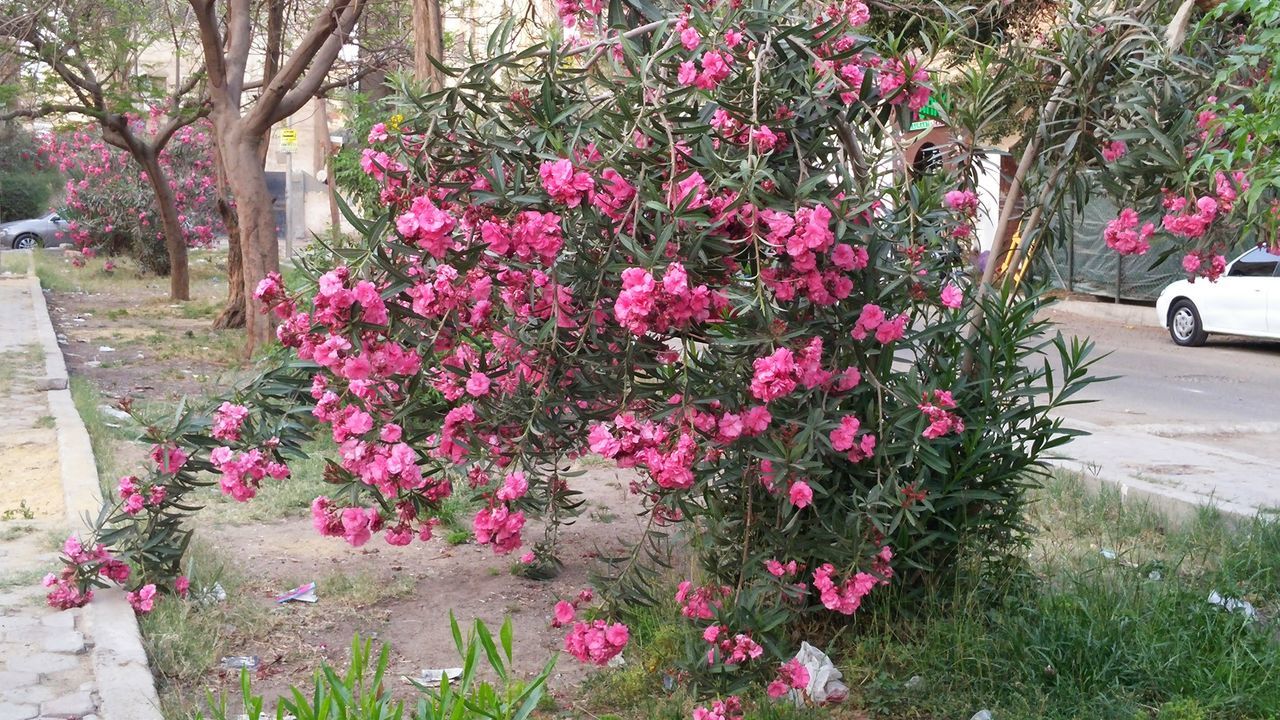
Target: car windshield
{"points": [[1255, 263]]}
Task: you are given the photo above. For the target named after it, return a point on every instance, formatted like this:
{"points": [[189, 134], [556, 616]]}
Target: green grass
{"points": [[1074, 635], [21, 578], [102, 437], [278, 499], [14, 531], [14, 262], [185, 640]]}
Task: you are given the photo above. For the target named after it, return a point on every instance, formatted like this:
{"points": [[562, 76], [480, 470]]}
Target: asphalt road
{"points": [[1225, 393]]}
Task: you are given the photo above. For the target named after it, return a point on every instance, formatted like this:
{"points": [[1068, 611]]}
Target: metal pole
{"points": [[1071, 264], [1119, 275], [288, 197]]}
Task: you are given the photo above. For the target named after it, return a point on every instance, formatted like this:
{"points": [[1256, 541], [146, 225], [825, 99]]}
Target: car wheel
{"points": [[1184, 325], [27, 242]]}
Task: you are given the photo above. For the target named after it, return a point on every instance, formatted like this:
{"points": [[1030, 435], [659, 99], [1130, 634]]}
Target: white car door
{"points": [[1240, 302]]}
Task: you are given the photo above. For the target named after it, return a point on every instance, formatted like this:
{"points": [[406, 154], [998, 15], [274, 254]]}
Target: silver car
{"points": [[33, 233]]}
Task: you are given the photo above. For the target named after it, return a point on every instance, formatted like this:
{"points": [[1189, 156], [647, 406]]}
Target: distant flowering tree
{"points": [[1189, 155], [110, 205], [674, 248]]}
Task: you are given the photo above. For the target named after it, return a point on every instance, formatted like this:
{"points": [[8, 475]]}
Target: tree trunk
{"points": [[259, 249], [232, 315], [175, 244], [428, 42]]}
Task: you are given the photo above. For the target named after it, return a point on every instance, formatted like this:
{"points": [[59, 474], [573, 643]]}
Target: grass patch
{"points": [[362, 590], [186, 639], [1123, 635], [21, 578], [278, 499], [15, 262], [102, 437], [13, 532]]}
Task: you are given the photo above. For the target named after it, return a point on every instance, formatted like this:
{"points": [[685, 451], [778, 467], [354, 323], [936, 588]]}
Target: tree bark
{"points": [[259, 249], [174, 242], [232, 315], [428, 42]]}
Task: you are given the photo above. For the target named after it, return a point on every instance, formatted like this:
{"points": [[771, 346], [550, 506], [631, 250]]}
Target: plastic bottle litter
{"points": [[982, 715]]}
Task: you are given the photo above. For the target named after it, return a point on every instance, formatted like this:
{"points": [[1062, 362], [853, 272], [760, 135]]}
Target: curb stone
{"points": [[126, 688]]}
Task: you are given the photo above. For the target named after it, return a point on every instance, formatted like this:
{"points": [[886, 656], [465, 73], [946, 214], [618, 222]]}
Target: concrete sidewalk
{"points": [[1172, 474], [85, 663]]}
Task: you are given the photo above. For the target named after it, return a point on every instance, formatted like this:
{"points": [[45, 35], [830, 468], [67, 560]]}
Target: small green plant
{"points": [[468, 697], [22, 512], [360, 693]]}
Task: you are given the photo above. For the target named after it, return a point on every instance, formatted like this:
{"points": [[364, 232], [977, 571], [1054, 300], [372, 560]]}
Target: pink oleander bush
{"points": [[660, 251], [109, 205]]}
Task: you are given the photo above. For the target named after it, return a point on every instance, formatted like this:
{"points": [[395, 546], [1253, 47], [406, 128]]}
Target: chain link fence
{"points": [[1084, 264]]}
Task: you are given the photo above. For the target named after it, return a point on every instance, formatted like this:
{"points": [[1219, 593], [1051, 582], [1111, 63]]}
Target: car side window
{"points": [[1256, 263]]}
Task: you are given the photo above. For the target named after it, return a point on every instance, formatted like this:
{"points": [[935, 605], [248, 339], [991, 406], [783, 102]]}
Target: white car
{"points": [[1244, 301]]}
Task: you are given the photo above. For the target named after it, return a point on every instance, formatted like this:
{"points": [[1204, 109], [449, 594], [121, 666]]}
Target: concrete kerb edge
{"points": [[1140, 315], [126, 688], [1176, 507]]}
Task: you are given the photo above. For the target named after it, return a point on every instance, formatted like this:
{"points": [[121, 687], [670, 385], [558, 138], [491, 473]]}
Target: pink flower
{"points": [[478, 384], [1122, 235], [801, 494], [513, 487], [1114, 150], [964, 202], [142, 600], [564, 183], [227, 421], [791, 675], [182, 585], [775, 375], [596, 642], [564, 614], [952, 296], [690, 38]]}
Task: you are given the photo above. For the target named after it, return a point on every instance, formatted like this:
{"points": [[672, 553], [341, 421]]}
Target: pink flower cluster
{"points": [[353, 524], [716, 67], [531, 236], [872, 319], [845, 598], [242, 472], [1123, 235], [169, 459], [792, 675], [646, 304], [498, 526], [810, 263], [615, 194], [64, 591], [728, 709], [700, 603], [964, 202], [1204, 264], [142, 600], [565, 611], [566, 184], [952, 296], [1187, 222], [135, 496], [596, 642], [894, 76], [427, 226], [941, 422], [227, 421], [845, 439], [730, 650], [1114, 150]]}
